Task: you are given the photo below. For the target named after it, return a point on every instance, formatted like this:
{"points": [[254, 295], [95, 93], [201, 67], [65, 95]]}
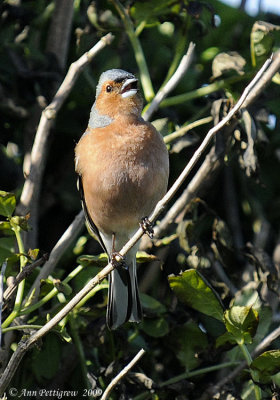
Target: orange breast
{"points": [[124, 168]]}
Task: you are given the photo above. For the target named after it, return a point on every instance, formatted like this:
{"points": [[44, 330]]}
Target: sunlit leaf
{"points": [[192, 289], [225, 62], [5, 228], [7, 203], [22, 222], [142, 257], [33, 254], [262, 41], [241, 322], [100, 260], [266, 365]]}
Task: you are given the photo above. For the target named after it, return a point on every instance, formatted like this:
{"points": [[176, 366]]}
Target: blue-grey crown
{"points": [[112, 75], [97, 120]]}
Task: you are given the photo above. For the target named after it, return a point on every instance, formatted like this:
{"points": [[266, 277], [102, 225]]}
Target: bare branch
{"points": [[26, 271], [172, 83], [25, 345], [123, 372], [211, 162], [266, 342], [32, 187], [264, 80], [60, 30], [182, 131]]}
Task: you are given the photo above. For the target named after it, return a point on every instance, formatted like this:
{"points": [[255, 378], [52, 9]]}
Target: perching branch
{"points": [[212, 162], [32, 187], [26, 345], [123, 372], [172, 83]]}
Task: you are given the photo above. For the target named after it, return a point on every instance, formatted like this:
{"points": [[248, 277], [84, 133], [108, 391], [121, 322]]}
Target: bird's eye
{"points": [[108, 88]]}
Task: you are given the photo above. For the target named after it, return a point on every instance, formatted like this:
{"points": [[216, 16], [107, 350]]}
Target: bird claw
{"points": [[117, 260], [147, 227]]}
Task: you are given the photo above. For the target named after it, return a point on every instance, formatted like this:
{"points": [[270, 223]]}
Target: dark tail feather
{"points": [[123, 303]]}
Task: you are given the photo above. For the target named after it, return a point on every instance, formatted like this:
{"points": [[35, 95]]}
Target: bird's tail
{"points": [[124, 303]]}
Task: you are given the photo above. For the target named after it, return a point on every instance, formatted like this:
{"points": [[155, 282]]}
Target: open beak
{"points": [[129, 88]]}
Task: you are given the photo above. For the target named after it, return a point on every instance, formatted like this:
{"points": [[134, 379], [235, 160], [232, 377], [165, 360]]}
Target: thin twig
{"points": [[25, 345], [211, 161], [60, 31], [264, 80], [22, 275], [182, 131], [123, 372], [172, 83], [3, 269], [32, 187], [208, 167], [266, 342]]}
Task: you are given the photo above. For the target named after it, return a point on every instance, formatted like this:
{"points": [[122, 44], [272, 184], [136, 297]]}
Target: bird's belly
{"points": [[125, 195]]}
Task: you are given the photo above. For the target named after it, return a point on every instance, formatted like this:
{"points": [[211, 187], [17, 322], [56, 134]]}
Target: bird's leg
{"points": [[117, 259], [147, 227]]}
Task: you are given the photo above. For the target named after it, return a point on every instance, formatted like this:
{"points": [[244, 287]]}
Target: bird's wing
{"points": [[92, 227]]}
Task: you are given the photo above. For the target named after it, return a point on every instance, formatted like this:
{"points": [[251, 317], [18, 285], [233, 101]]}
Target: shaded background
{"points": [[245, 200]]}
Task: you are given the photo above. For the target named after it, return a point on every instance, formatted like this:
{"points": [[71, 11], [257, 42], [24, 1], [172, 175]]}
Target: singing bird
{"points": [[122, 165]]}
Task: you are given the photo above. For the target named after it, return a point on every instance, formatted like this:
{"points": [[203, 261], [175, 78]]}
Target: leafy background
{"points": [[212, 293]]}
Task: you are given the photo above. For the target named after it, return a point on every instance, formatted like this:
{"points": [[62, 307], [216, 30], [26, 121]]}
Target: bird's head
{"points": [[117, 94]]}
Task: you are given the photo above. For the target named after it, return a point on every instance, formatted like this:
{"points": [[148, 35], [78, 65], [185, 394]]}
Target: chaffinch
{"points": [[122, 164]]}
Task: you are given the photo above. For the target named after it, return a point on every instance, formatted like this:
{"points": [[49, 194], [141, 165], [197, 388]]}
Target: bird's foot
{"points": [[117, 260], [147, 227]]}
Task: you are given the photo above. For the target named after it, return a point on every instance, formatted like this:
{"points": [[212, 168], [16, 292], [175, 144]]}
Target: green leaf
{"points": [[225, 339], [62, 332], [152, 11], [241, 322], [5, 228], [33, 254], [143, 257], [45, 362], [151, 305], [266, 365], [157, 327], [22, 222], [7, 203], [6, 248], [192, 289], [225, 62], [276, 78], [100, 260], [190, 340], [262, 41]]}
